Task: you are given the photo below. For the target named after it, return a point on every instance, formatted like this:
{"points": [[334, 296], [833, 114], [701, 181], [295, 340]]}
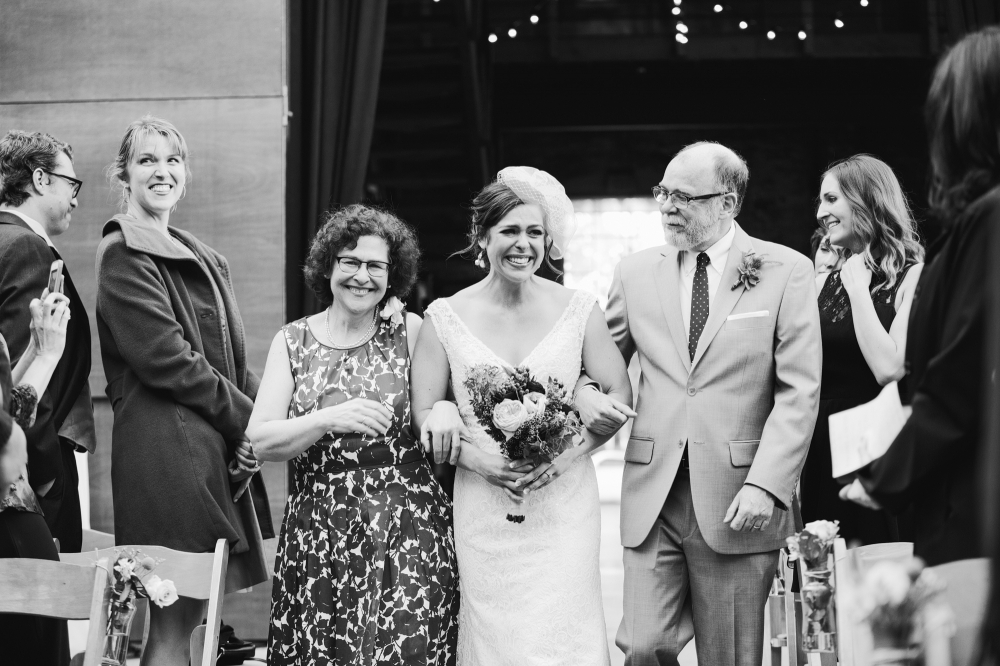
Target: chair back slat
{"points": [[967, 590], [43, 587], [191, 572]]}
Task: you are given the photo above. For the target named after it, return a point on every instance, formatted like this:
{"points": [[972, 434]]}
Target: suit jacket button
{"points": [[692, 391]]}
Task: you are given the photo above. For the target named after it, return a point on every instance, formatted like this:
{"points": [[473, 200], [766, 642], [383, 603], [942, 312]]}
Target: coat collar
{"points": [[667, 281], [144, 237]]}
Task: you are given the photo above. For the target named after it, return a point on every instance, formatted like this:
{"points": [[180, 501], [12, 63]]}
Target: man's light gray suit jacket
{"points": [[745, 407]]}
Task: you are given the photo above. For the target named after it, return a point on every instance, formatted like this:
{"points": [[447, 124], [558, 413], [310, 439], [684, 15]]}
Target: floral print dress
{"points": [[366, 571]]}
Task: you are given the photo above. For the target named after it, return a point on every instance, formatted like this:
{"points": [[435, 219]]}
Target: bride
{"points": [[531, 591]]}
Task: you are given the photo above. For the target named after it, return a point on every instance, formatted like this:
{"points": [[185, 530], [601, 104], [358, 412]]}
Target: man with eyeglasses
{"points": [[727, 331], [38, 190]]}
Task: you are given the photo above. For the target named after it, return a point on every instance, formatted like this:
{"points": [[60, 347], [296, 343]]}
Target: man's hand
{"points": [[856, 493], [751, 510], [601, 414]]}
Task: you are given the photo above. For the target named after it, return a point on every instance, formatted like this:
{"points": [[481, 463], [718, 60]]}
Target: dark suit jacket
{"points": [[931, 466], [24, 272], [175, 357]]}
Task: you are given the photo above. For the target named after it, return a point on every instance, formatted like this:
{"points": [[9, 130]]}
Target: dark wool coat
{"points": [[931, 466], [175, 360]]}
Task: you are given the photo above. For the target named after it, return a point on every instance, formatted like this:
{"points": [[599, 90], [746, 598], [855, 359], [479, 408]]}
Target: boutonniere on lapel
{"points": [[749, 270]]}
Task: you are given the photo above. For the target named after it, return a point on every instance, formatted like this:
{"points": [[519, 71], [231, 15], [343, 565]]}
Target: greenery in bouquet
{"points": [[529, 419], [893, 597], [131, 575], [813, 543]]}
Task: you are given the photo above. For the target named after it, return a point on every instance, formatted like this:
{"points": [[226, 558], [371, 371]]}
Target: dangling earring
{"points": [[480, 261]]}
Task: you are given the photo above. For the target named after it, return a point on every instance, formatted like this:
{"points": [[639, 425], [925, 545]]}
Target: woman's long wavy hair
{"points": [[963, 123], [882, 217]]}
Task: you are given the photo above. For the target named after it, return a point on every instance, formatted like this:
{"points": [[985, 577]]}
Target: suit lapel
{"points": [[667, 281], [726, 297]]}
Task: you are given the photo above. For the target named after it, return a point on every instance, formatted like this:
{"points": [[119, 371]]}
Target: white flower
{"points": [[161, 592], [534, 402], [888, 583], [393, 310], [824, 530], [126, 567], [508, 416]]}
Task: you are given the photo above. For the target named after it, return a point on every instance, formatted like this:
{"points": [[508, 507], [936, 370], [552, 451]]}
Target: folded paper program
{"points": [[863, 433]]}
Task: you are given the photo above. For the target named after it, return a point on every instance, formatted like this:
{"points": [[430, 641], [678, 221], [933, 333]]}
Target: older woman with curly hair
{"points": [[365, 572]]}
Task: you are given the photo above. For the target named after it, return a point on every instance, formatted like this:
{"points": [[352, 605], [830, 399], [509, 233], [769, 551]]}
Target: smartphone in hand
{"points": [[56, 277]]}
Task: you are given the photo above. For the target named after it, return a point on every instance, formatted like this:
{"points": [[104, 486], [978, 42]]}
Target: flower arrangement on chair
{"points": [[900, 601], [812, 547], [131, 578]]}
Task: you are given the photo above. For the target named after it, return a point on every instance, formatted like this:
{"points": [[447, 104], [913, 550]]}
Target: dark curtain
{"points": [[335, 57], [965, 16]]}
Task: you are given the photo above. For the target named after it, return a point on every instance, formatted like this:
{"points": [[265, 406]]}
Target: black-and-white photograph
{"points": [[500, 333]]}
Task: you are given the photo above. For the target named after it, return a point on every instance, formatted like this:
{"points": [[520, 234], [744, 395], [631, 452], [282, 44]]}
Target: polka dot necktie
{"points": [[699, 303]]}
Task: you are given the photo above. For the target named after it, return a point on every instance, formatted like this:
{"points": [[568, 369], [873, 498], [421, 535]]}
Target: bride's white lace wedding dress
{"points": [[531, 591]]}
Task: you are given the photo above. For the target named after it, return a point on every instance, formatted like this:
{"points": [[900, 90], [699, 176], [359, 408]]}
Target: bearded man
{"points": [[727, 331]]}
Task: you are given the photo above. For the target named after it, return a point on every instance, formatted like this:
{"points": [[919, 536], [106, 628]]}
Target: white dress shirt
{"points": [[717, 254], [32, 224]]}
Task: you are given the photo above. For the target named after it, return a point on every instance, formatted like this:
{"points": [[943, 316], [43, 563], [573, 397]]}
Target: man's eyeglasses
{"points": [[350, 265], [77, 184], [680, 199]]}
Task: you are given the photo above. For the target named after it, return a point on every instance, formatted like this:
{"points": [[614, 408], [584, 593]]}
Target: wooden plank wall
{"points": [[82, 70]]}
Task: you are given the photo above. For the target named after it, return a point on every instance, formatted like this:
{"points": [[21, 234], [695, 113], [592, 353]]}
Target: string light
{"points": [[838, 23], [743, 25], [802, 34], [717, 8], [534, 18], [864, 3], [681, 38], [682, 28], [492, 38], [512, 33], [677, 3], [676, 11], [771, 34]]}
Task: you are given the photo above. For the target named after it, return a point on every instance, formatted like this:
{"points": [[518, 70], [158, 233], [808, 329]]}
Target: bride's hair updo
{"points": [[489, 206]]}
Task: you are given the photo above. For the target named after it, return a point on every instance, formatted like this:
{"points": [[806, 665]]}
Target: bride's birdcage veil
{"points": [[534, 186]]}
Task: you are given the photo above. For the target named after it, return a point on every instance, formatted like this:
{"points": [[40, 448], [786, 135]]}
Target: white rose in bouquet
{"points": [[888, 583], [161, 592], [824, 530], [508, 416], [534, 402]]}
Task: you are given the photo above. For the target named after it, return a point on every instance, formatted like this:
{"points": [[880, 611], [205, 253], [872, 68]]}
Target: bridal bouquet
{"points": [[130, 575], [530, 420]]}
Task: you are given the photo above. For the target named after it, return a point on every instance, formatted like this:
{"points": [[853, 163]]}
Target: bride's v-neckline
{"points": [[524, 361]]}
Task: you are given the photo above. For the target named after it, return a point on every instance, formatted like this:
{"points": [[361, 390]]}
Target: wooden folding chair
{"points": [[785, 616], [967, 592], [854, 643], [196, 576], [59, 590]]}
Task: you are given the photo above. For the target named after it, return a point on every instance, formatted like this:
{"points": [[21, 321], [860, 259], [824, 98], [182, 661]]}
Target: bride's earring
{"points": [[480, 261]]}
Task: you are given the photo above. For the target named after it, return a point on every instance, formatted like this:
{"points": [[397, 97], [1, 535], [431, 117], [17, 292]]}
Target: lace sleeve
{"points": [[580, 306], [23, 405], [441, 314]]}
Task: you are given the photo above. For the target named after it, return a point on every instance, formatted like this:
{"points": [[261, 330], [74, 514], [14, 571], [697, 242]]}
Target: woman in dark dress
{"points": [[931, 468], [175, 359], [864, 308], [366, 570], [24, 639]]}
